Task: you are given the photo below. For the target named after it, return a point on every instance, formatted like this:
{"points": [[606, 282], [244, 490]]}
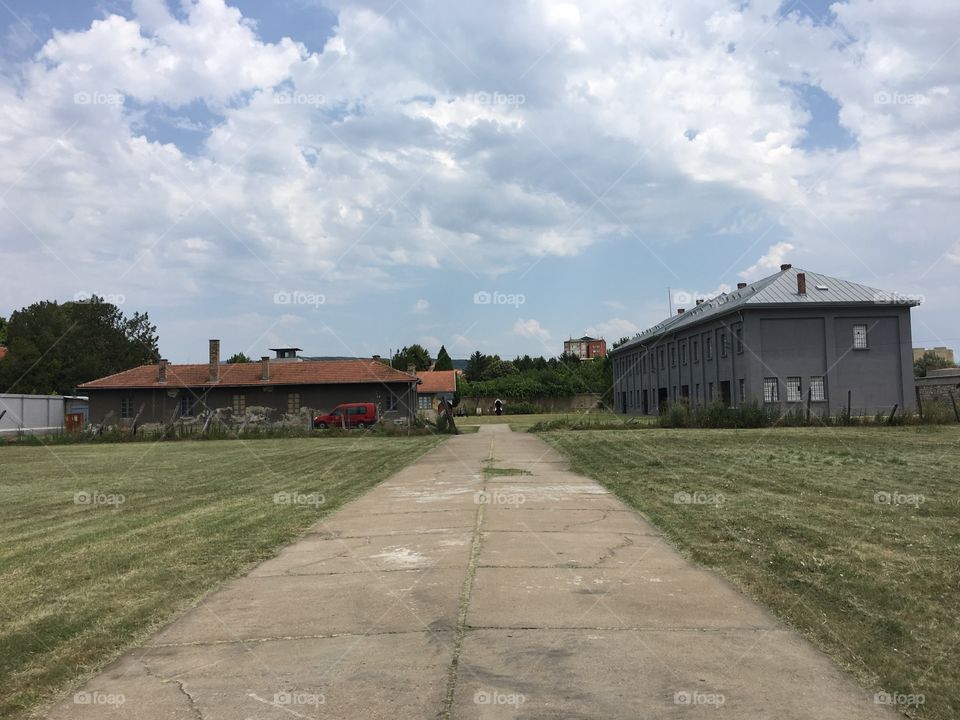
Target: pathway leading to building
{"points": [[452, 590]]}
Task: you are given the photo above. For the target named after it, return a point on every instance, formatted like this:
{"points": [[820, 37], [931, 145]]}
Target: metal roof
{"points": [[777, 289]]}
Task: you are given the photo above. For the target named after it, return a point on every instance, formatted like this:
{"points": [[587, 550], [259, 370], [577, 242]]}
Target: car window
{"points": [[338, 412]]}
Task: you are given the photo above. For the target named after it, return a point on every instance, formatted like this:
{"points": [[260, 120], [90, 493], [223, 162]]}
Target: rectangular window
{"points": [[771, 390], [674, 393], [739, 339], [724, 345], [392, 402], [743, 391], [709, 392], [696, 394], [126, 408], [683, 353], [239, 404], [708, 347], [425, 402], [643, 364], [293, 403], [859, 337], [696, 351], [663, 359], [673, 356], [186, 407], [818, 392], [794, 393]]}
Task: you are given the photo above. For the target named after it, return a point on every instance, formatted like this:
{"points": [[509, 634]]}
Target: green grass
{"points": [[522, 423], [790, 516], [80, 583]]}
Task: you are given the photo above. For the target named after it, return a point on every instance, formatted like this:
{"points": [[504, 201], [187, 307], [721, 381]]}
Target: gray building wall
{"points": [[30, 413], [162, 404], [779, 343]]}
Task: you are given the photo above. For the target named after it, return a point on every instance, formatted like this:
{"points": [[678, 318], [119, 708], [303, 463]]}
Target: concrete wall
{"points": [[778, 343], [31, 413], [162, 405]]}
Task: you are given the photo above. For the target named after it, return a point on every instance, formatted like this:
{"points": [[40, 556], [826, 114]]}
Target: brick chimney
{"points": [[265, 368], [801, 283], [699, 301], [785, 267], [214, 361], [741, 286], [412, 369], [162, 373], [680, 311]]}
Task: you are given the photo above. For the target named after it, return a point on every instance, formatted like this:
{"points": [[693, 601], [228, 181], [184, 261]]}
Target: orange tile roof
{"points": [[308, 372], [437, 381]]}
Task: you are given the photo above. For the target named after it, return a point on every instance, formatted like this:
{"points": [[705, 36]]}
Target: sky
{"points": [[350, 177]]}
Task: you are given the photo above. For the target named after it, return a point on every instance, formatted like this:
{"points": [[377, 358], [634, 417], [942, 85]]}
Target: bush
{"points": [[523, 407]]}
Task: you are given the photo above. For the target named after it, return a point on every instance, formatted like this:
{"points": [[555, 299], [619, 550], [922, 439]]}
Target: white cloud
{"points": [[614, 329], [953, 255], [531, 329], [768, 263], [421, 306]]}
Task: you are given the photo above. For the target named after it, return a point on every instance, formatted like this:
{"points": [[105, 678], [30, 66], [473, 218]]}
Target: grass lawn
{"points": [[164, 524], [794, 518], [522, 423]]}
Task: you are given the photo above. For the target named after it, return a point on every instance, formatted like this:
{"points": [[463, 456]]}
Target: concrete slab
{"points": [[558, 519], [638, 675], [631, 597], [584, 550], [358, 525], [359, 603]]}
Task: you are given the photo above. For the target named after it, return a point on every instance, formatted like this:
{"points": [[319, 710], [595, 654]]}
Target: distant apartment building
{"points": [[585, 348], [943, 353], [791, 339]]}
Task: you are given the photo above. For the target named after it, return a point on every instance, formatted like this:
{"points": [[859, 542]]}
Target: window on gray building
{"points": [[818, 391], [724, 344], [860, 337], [126, 408], [739, 332], [708, 347], [771, 390], [794, 393], [709, 392], [186, 406], [663, 359], [696, 395], [695, 350], [743, 391], [673, 356], [683, 353]]}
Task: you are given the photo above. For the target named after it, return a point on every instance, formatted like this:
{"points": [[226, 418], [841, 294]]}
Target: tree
{"points": [[238, 358], [475, 366], [929, 361], [52, 348], [622, 341], [443, 361], [415, 355], [3, 330], [497, 368]]}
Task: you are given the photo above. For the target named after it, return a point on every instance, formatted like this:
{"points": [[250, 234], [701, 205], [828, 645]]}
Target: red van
{"points": [[348, 415]]}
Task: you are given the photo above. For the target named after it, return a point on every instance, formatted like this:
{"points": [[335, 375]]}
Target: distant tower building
{"points": [[585, 348]]}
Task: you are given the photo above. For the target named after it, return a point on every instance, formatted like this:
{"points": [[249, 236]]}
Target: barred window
{"points": [[696, 351], [724, 345], [683, 353], [126, 408], [239, 403], [708, 348], [793, 389], [818, 391], [425, 402], [186, 407], [771, 390], [859, 337], [740, 339], [673, 355], [293, 403]]}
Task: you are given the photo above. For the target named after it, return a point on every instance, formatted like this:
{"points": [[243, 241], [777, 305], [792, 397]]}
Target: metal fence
{"points": [[30, 413]]}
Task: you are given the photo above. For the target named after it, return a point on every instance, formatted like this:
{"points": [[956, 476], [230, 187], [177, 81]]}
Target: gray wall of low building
{"points": [[162, 404], [781, 343]]}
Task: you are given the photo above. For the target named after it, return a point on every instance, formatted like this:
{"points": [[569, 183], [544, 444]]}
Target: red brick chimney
{"points": [[162, 372], [801, 283], [214, 361], [265, 368]]}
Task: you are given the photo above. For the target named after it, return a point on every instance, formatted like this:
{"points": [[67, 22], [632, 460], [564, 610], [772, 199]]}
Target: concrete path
{"points": [[448, 591]]}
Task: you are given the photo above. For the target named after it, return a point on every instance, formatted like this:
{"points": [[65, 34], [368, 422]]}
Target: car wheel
{"points": [[361, 425], [321, 426]]}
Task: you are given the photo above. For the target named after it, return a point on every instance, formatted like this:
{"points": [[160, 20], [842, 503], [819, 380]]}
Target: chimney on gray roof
{"points": [[680, 311], [699, 301], [162, 374], [785, 266], [265, 368], [801, 283], [741, 286], [214, 361]]}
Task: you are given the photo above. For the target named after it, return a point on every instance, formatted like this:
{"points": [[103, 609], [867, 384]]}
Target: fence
{"points": [[30, 414]]}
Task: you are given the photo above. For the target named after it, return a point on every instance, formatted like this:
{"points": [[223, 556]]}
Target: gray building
{"points": [[777, 342]]}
